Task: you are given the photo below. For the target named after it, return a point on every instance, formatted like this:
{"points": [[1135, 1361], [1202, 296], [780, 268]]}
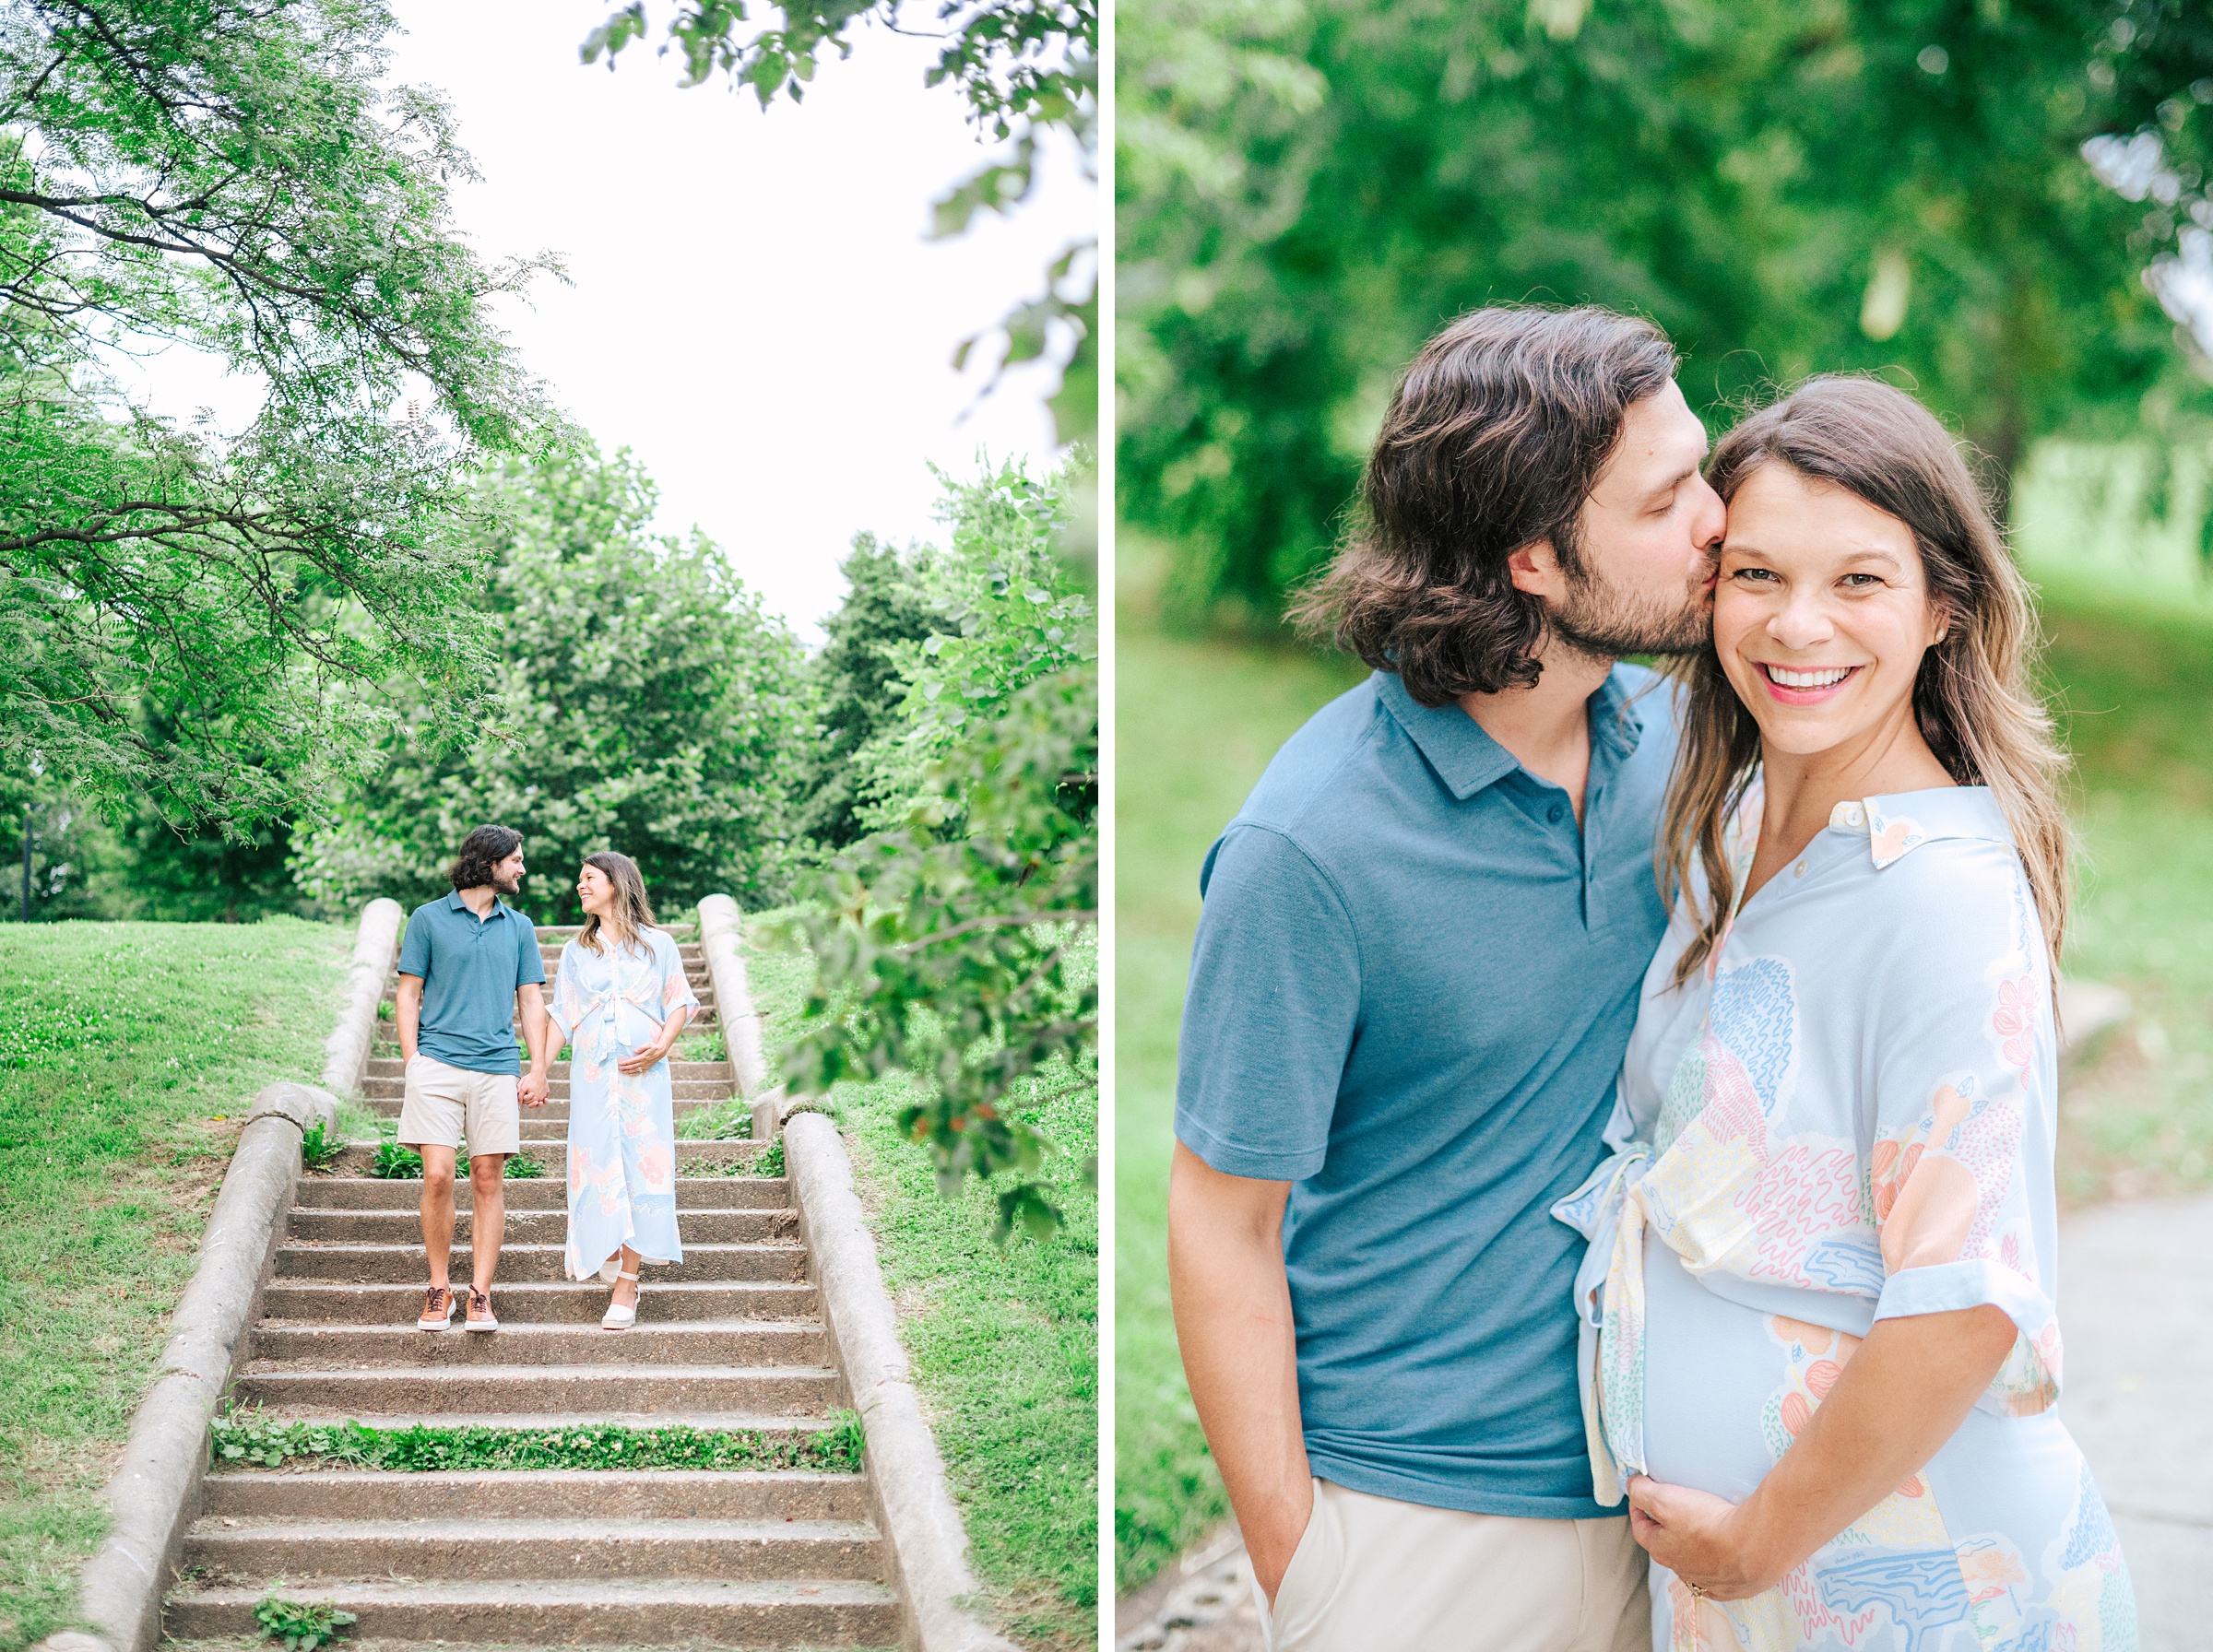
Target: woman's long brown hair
{"points": [[632, 913], [1974, 697]]}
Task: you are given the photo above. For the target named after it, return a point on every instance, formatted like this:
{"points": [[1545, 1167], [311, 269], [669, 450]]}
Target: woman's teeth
{"points": [[1783, 677]]}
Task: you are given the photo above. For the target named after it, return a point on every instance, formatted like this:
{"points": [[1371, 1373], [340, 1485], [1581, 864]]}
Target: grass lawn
{"points": [[129, 1054], [1004, 1341], [1198, 720]]}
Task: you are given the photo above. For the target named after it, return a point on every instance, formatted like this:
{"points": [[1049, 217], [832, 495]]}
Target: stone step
{"points": [[788, 1428], [558, 1108], [454, 1549], [641, 1390], [533, 1227], [695, 972], [543, 1495], [535, 1193], [395, 1090], [403, 1264], [780, 1612], [391, 1067], [533, 1130], [780, 1342], [356, 1157], [567, 1301]]}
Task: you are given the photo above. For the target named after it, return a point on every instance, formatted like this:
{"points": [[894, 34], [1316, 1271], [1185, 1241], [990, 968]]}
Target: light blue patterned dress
{"points": [[1847, 1115], [609, 1005]]}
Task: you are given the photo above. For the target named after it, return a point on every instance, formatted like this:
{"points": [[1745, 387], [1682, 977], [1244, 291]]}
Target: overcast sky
{"points": [[753, 307]]}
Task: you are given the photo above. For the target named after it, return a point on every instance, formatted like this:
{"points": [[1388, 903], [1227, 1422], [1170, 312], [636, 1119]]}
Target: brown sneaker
{"points": [[437, 1309], [480, 1312]]}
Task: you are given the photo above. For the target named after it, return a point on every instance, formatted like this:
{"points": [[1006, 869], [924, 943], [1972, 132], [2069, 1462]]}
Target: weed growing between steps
{"points": [[1004, 1338], [319, 1146], [730, 1121], [130, 1055], [701, 1046], [301, 1626], [250, 1439], [397, 1163]]}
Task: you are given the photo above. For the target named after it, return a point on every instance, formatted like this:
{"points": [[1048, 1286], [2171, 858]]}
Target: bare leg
{"points": [[626, 1290], [487, 1216], [438, 1209]]}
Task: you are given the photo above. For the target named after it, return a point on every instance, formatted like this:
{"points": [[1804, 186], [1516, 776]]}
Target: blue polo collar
{"points": [[455, 904], [1467, 759]]}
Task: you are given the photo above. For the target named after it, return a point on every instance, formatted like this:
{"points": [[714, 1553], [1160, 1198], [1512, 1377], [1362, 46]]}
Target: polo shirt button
{"points": [[1553, 814]]}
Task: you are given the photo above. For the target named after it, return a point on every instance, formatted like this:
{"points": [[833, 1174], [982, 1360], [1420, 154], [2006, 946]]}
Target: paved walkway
{"points": [[2136, 1303]]}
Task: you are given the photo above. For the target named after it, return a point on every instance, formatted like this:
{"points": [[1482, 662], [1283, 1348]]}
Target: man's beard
{"points": [[1605, 622], [507, 886]]}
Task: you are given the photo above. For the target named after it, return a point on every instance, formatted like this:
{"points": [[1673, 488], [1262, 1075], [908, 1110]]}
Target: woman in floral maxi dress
{"points": [[1821, 1355], [621, 1000]]}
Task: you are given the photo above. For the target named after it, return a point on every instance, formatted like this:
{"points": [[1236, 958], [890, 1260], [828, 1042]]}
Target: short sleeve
{"points": [[1960, 1168], [530, 963], [414, 945], [676, 986], [1269, 1019], [567, 1008]]}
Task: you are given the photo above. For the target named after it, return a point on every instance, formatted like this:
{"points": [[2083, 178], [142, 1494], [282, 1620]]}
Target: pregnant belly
{"points": [[1726, 1387]]}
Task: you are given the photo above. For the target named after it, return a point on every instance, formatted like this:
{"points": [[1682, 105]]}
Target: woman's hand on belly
{"points": [[1704, 1540], [1900, 1397]]}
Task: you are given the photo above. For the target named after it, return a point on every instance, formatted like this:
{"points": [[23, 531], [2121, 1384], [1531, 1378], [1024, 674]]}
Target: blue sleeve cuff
{"points": [[1260, 1164], [1951, 1286], [415, 950]]}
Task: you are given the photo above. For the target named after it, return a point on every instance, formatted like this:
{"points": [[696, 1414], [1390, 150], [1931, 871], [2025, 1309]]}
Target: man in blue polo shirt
{"points": [[1416, 971], [469, 970]]}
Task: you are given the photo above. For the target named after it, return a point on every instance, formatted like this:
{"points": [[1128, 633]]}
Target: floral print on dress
{"points": [[1848, 1115], [621, 1180]]}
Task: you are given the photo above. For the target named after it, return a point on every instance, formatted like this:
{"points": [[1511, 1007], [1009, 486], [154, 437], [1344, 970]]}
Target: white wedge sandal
{"points": [[621, 1316]]}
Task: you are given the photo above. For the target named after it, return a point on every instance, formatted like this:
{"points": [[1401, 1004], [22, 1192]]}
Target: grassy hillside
{"points": [[129, 1054], [1004, 1340], [1198, 720]]}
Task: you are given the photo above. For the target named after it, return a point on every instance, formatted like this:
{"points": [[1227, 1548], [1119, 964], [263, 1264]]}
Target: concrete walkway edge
{"points": [[346, 1053], [721, 928], [914, 1505], [155, 1491]]}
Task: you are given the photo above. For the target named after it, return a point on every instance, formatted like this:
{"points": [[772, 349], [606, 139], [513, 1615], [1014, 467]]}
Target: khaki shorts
{"points": [[1371, 1572], [445, 1103]]}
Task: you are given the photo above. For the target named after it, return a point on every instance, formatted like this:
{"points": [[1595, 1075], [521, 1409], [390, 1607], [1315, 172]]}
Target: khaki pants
{"points": [[1373, 1574], [444, 1104]]}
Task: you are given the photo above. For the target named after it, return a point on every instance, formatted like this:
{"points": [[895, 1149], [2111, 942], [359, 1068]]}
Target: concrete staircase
{"points": [[733, 1340]]}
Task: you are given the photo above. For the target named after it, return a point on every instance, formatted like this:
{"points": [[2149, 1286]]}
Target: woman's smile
{"points": [[1805, 685]]}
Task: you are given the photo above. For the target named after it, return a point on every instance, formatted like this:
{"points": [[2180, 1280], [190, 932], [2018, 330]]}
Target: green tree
{"points": [[76, 862], [946, 947], [857, 677], [1849, 184], [645, 703], [958, 941], [1023, 67], [226, 176]]}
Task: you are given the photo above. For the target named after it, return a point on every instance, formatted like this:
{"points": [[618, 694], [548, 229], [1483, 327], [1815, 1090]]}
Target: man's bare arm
{"points": [[530, 1004], [407, 1012], [1240, 1355]]}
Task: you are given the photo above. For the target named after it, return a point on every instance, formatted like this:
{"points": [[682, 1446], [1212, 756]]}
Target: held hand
{"points": [[531, 1088], [1699, 1538], [644, 1061]]}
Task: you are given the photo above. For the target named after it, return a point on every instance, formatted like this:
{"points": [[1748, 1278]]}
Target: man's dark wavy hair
{"points": [[480, 851], [1494, 439]]}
